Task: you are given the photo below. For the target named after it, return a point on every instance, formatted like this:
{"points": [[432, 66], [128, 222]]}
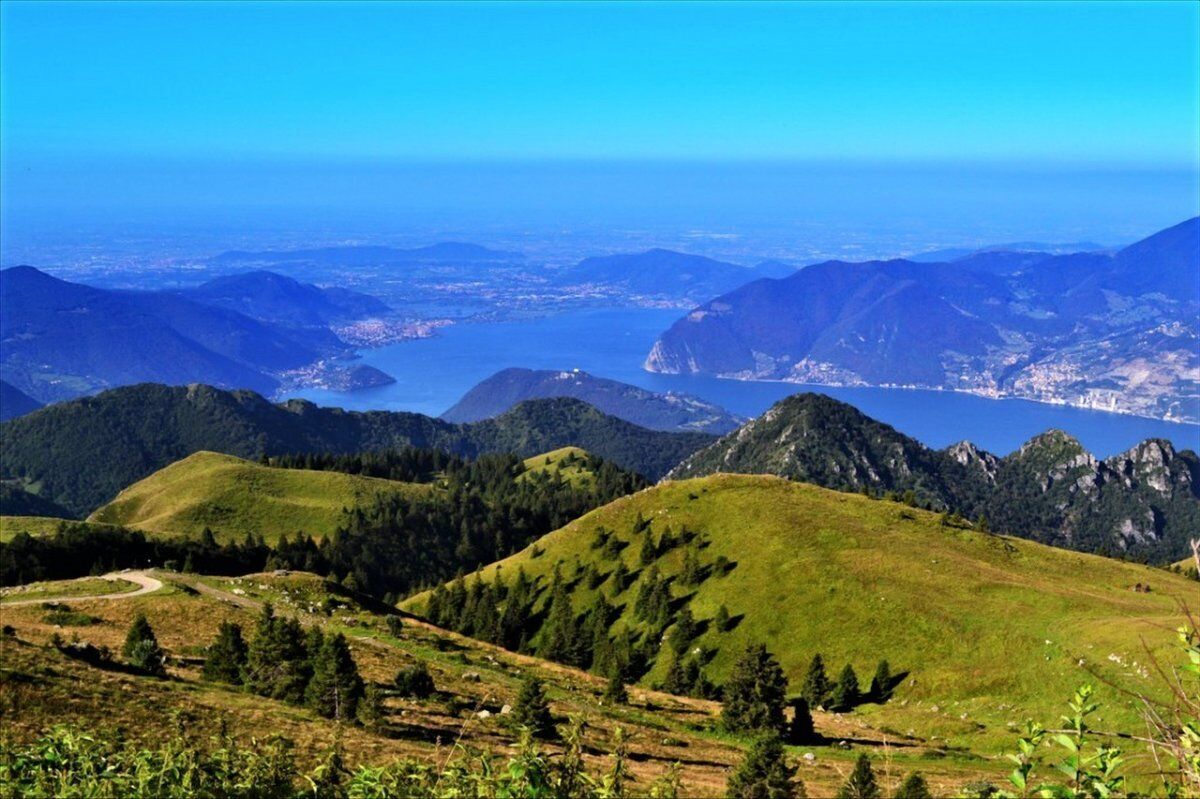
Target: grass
{"points": [[40, 687], [991, 630], [10, 526], [233, 497], [67, 589], [569, 463]]}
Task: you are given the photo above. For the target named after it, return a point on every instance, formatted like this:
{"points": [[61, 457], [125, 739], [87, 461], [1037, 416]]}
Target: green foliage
{"points": [[531, 711], [755, 693], [225, 658], [277, 663], [861, 783], [800, 728], [845, 694], [415, 681], [913, 787], [335, 687], [881, 683], [816, 688], [395, 625], [615, 691], [141, 649], [764, 773], [370, 710]]}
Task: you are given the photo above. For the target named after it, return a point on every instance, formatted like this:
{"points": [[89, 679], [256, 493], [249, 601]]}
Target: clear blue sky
{"points": [[1105, 83]]}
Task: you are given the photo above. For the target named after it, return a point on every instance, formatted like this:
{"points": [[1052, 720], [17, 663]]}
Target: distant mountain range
{"points": [[59, 339], [667, 275], [649, 409], [14, 402], [1115, 332], [1144, 502], [80, 453], [444, 252]]}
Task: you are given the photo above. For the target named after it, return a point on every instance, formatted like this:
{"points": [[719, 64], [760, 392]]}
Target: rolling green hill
{"points": [[233, 497], [12, 525], [82, 452], [990, 629]]}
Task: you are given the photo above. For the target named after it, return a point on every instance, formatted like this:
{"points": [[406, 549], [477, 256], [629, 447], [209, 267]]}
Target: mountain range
{"points": [[1144, 502], [667, 275], [1116, 332], [649, 409], [80, 453], [60, 339]]}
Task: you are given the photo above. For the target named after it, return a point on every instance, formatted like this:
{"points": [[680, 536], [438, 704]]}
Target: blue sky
{"points": [[1107, 83]]}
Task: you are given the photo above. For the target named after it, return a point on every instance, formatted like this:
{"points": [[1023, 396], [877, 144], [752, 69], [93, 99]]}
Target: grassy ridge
{"points": [[10, 526], [993, 629], [569, 463], [232, 497]]}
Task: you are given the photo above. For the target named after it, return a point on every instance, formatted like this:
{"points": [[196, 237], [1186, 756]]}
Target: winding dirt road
{"points": [[148, 585]]}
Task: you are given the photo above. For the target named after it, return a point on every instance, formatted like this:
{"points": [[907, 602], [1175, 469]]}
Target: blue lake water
{"points": [[431, 374]]}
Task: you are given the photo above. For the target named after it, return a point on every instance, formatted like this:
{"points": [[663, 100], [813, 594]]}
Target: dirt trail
{"points": [[148, 585]]}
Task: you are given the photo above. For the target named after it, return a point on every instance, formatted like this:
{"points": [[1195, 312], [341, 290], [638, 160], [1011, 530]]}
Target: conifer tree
{"points": [[755, 693], [846, 693], [225, 659], [415, 681], [676, 681], [532, 711], [881, 683], [277, 663], [141, 649], [559, 632], [335, 687], [816, 687], [370, 707], [913, 787], [800, 729], [764, 773], [861, 783], [684, 631], [615, 692], [721, 620]]}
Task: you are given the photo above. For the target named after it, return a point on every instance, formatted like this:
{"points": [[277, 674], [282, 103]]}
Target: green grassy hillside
{"points": [[991, 629], [10, 526], [569, 463], [233, 497]]}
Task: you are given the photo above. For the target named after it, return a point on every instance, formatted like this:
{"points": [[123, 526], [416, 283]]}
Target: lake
{"points": [[431, 374]]}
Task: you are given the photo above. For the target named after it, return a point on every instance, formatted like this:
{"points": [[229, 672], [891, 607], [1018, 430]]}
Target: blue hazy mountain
{"points": [[60, 339], [275, 298], [649, 409], [14, 402], [667, 274], [1116, 331]]}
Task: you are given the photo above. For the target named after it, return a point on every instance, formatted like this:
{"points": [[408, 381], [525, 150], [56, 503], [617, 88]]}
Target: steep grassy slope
{"points": [[991, 629], [48, 688], [569, 463], [233, 497]]}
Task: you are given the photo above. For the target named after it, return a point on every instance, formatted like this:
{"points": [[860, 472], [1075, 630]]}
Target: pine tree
{"points": [[816, 688], [532, 711], [370, 710], [846, 693], [141, 649], [861, 784], [755, 692], [800, 729], [335, 687], [683, 632], [559, 632], [615, 692], [676, 681], [913, 787], [415, 681], [881, 683], [764, 773], [225, 659], [277, 663], [721, 620]]}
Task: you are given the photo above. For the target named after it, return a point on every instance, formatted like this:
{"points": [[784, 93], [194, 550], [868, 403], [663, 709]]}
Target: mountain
{"points": [[61, 339], [82, 452], [649, 409], [233, 497], [444, 252], [983, 628], [276, 299], [14, 402], [1110, 331], [1144, 502], [666, 274]]}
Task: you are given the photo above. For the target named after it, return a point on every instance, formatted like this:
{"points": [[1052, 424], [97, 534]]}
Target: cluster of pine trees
{"points": [[284, 662], [845, 694]]}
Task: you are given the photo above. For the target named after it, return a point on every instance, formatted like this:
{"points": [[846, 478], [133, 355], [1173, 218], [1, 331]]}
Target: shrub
{"points": [[414, 681]]}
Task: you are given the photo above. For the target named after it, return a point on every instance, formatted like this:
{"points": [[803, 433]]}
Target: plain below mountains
{"points": [[1144, 502], [650, 409], [80, 453], [60, 339], [447, 252], [1111, 331]]}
